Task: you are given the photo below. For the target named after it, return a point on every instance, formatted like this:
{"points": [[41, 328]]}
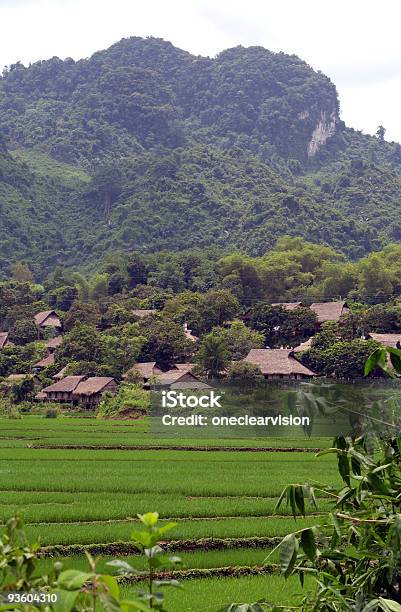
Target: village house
{"points": [[61, 391], [304, 346], [391, 340], [61, 373], [184, 367], [79, 390], [148, 371], [276, 364], [53, 344], [89, 392], [329, 311], [48, 319], [141, 313], [44, 363], [13, 379], [49, 358], [145, 370], [288, 305], [4, 341], [179, 379]]}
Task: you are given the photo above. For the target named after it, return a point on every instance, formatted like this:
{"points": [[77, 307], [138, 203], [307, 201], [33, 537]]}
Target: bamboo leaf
{"points": [[308, 543]]}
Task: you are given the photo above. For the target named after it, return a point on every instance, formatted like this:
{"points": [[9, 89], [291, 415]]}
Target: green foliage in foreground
{"points": [[359, 566], [78, 590]]}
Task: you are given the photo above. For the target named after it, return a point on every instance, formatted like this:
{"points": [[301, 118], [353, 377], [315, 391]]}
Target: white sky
{"points": [[357, 43]]}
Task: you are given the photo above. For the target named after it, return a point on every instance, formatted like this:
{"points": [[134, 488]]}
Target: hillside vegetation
{"points": [[145, 147]]}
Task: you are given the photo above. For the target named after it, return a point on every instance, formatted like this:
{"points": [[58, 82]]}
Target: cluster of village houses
{"points": [[87, 392]]}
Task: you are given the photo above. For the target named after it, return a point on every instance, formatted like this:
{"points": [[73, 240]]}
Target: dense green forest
{"points": [[210, 292], [145, 148]]}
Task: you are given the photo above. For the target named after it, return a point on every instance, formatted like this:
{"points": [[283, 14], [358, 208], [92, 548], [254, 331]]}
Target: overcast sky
{"points": [[357, 43]]}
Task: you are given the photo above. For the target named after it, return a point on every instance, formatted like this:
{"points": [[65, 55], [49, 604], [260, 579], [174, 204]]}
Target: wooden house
{"points": [[277, 364], [13, 379], [179, 379], [329, 311], [150, 371], [53, 344], [48, 319], [44, 363], [89, 392], [79, 390], [184, 367], [391, 340], [62, 390], [288, 305], [141, 313], [304, 346], [145, 370], [61, 373]]}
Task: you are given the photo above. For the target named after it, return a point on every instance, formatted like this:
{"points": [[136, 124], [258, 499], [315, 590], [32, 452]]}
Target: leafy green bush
{"points": [[130, 400], [358, 566], [14, 413], [51, 413], [87, 591]]}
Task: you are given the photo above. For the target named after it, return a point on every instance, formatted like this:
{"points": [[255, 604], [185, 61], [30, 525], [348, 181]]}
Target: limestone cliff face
{"points": [[324, 129]]}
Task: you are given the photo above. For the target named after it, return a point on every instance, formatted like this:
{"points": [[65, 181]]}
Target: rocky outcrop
{"points": [[325, 128]]}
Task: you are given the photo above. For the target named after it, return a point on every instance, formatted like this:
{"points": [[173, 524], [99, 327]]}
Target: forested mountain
{"points": [[146, 147]]}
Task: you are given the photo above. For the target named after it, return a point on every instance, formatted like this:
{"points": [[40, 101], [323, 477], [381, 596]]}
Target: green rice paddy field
{"points": [[82, 481]]}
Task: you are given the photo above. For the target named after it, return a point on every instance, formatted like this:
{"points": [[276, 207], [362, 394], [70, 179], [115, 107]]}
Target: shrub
{"points": [[246, 374], [130, 400], [14, 413], [51, 413]]}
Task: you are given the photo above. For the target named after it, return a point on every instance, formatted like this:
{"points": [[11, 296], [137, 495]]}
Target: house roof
{"points": [[190, 384], [62, 372], [54, 342], [173, 376], [66, 385], [44, 363], [387, 339], [277, 361], [93, 385], [147, 369], [328, 311], [143, 312], [12, 379], [304, 346], [41, 317], [16, 377], [184, 367], [3, 339], [288, 305]]}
